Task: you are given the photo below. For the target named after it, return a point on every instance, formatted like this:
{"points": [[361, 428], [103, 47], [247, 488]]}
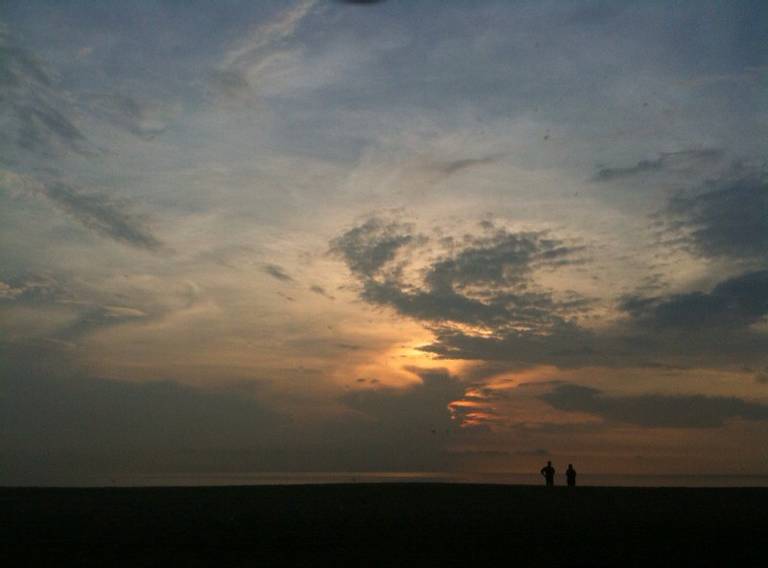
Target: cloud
{"points": [[483, 280], [419, 408], [653, 410], [94, 317], [268, 34], [59, 421], [320, 291], [727, 220], [142, 119], [698, 328], [368, 247], [35, 117], [277, 272], [263, 49], [566, 345], [455, 166], [37, 125], [8, 292], [95, 211], [102, 215], [682, 161], [36, 289], [42, 128], [734, 303]]}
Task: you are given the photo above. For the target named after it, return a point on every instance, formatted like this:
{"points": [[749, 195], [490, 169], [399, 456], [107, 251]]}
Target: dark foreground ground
{"points": [[387, 524]]}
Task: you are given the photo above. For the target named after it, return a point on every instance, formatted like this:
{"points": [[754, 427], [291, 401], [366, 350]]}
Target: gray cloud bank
{"points": [[731, 305], [60, 424], [727, 218], [488, 281], [655, 411]]}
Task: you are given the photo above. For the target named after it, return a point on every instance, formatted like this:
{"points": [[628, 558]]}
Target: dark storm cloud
{"points": [[103, 215], [277, 272], [683, 161], [729, 219], [655, 411], [734, 303]]}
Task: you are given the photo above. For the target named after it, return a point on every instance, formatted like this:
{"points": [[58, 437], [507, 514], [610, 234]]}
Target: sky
{"points": [[382, 236]]}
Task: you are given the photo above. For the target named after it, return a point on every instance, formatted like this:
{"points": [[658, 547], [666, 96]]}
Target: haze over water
{"points": [[322, 478]]}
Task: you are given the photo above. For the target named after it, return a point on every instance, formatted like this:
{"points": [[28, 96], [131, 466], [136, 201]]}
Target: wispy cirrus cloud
{"points": [[320, 291], [680, 162], [36, 118], [253, 56], [277, 272], [144, 119], [98, 212], [40, 124]]}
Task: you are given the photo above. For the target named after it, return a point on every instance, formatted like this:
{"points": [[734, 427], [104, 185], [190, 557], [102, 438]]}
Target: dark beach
{"points": [[411, 524]]}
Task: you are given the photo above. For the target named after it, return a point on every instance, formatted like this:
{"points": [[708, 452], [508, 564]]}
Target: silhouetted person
{"points": [[549, 474], [570, 475]]}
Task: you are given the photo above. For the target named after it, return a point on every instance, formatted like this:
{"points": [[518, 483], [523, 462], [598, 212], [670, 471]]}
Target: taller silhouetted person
{"points": [[570, 475], [549, 474]]}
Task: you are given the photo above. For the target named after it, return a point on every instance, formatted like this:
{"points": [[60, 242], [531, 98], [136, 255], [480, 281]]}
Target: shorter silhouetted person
{"points": [[549, 474], [570, 475]]}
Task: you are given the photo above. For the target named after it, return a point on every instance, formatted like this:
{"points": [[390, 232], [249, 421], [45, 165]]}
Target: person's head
{"points": [[549, 463], [570, 465]]}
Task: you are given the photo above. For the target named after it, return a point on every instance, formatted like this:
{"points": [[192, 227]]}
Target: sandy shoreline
{"points": [[386, 524]]}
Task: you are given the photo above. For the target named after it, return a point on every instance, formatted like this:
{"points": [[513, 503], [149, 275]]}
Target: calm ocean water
{"points": [[404, 477]]}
